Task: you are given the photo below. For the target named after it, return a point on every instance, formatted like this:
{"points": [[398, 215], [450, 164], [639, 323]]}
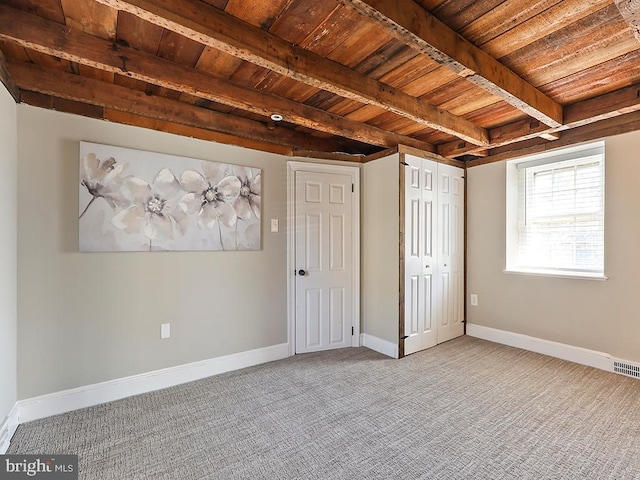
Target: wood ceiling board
{"points": [[221, 4], [91, 17], [503, 18], [293, 90], [495, 115], [258, 14], [220, 30], [387, 58], [430, 4], [249, 74], [363, 42], [459, 13], [11, 50], [48, 9], [409, 23], [217, 62], [460, 94], [428, 83], [301, 17], [394, 123], [601, 79], [99, 53], [592, 40], [555, 18], [413, 69], [345, 107], [49, 61], [342, 24], [365, 113], [136, 33], [323, 100], [179, 49]]}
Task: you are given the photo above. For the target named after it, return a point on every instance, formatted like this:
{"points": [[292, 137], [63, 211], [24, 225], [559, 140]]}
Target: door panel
{"points": [[434, 253], [323, 235], [420, 197]]}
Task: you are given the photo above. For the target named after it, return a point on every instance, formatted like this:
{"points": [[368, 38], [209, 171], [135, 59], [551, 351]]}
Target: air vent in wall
{"points": [[626, 368]]}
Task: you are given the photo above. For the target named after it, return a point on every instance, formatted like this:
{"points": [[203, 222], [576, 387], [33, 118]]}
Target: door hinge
{"points": [[352, 188], [351, 330]]}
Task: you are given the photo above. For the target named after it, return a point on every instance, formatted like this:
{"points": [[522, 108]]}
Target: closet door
{"points": [[420, 293], [433, 253], [450, 252]]}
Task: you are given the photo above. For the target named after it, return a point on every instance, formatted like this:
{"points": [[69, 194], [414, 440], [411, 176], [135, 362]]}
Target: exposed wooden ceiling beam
{"points": [[620, 102], [213, 27], [51, 38], [630, 11], [618, 125], [125, 118], [417, 28], [7, 81], [82, 89]]}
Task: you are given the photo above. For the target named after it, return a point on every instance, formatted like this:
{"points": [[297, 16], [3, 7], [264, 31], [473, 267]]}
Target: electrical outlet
{"points": [[474, 300], [165, 330]]}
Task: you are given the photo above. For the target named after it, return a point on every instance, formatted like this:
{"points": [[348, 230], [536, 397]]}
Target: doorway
{"points": [[323, 241]]}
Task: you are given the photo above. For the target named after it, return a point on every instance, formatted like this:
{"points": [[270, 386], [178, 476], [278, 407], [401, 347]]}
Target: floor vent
{"points": [[626, 368]]}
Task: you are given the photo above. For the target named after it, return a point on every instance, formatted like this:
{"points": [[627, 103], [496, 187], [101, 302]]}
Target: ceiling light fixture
{"points": [[276, 117]]}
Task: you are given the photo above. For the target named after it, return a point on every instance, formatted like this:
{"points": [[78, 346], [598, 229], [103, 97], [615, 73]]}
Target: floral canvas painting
{"points": [[132, 200]]}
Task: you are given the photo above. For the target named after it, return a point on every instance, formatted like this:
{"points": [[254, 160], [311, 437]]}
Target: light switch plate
{"points": [[165, 330], [474, 300], [274, 225]]}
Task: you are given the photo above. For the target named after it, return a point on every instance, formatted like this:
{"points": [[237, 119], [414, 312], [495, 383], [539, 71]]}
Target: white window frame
{"points": [[515, 210]]}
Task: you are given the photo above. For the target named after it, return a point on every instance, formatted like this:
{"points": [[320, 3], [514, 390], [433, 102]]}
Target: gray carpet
{"points": [[467, 409]]}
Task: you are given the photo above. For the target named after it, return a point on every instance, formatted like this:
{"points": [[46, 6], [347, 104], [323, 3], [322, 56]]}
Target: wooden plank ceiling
{"points": [[472, 81]]}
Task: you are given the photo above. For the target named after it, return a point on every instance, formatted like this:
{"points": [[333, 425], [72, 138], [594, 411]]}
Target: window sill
{"points": [[554, 274]]}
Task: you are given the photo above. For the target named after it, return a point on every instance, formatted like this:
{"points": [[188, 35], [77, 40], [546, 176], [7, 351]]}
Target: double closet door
{"points": [[433, 250]]}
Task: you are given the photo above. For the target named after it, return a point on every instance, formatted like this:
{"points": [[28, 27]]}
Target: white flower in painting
{"points": [[211, 195], [102, 179], [249, 198], [154, 208]]}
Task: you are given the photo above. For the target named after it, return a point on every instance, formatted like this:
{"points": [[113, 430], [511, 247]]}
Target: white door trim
{"points": [[354, 172]]}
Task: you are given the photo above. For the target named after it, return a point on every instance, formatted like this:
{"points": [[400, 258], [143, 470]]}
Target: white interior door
{"points": [[451, 252], [433, 253], [421, 310], [323, 263]]}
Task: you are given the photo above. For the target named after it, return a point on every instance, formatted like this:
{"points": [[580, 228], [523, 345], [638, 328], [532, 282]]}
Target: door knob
{"points": [[302, 273]]}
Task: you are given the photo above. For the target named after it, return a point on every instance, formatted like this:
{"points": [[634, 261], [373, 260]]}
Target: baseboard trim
{"points": [[584, 356], [89, 395], [8, 428], [384, 347]]}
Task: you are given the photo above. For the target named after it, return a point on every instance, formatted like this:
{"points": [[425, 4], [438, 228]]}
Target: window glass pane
{"points": [[561, 219]]}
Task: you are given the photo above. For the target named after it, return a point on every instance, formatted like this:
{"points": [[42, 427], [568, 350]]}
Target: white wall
{"points": [[8, 251], [91, 317], [597, 315]]}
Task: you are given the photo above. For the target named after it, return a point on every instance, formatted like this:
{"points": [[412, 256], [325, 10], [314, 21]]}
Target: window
{"points": [[555, 212]]}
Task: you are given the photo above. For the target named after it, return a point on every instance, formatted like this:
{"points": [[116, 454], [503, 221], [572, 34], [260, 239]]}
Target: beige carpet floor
{"points": [[467, 409]]}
